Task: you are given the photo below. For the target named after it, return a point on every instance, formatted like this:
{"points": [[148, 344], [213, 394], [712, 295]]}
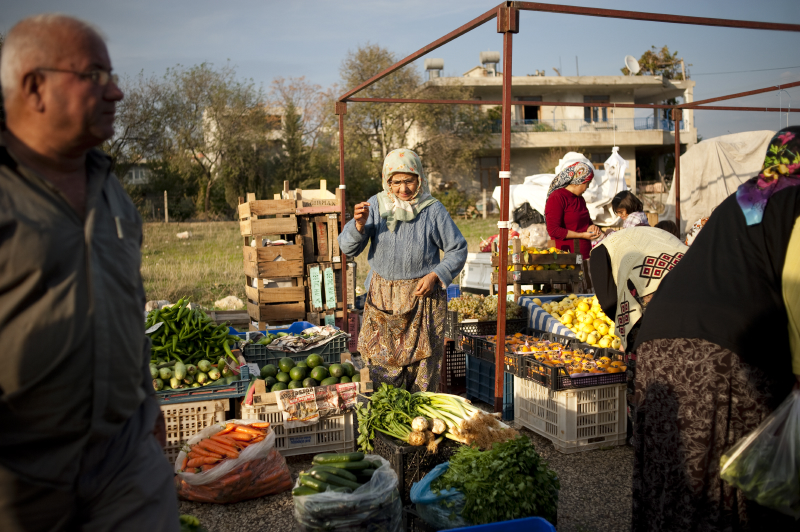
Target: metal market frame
{"points": [[507, 15]]}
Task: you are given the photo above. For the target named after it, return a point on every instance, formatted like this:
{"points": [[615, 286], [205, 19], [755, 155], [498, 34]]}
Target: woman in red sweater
{"points": [[565, 211]]}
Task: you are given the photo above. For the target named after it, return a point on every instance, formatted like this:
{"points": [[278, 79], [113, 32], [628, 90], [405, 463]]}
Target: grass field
{"points": [[208, 266]]}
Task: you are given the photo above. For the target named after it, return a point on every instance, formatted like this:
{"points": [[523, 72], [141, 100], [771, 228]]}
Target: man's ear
{"points": [[31, 93]]}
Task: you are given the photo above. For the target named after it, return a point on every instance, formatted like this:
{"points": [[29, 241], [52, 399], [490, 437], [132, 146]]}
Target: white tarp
{"points": [[712, 170], [605, 185]]}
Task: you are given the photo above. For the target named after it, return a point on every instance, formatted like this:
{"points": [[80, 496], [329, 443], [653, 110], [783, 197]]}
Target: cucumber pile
{"points": [[339, 472]]}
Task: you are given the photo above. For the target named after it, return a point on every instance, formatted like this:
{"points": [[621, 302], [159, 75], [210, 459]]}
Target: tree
{"points": [[659, 63], [294, 163], [139, 126], [447, 137], [208, 115]]}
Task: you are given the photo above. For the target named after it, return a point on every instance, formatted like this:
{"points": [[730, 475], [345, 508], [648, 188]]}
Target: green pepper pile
{"points": [[184, 346]]}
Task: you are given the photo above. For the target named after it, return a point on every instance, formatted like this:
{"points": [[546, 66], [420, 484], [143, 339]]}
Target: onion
{"points": [[438, 426], [419, 424]]}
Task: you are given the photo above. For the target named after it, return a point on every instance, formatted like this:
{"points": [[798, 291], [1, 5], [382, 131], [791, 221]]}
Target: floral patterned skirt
{"points": [[401, 331], [694, 400]]}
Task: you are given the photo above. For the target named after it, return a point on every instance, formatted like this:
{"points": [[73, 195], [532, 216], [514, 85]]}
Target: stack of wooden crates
{"points": [[300, 280]]}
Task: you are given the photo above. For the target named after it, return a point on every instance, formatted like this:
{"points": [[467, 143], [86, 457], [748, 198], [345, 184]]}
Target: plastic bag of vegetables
{"points": [[765, 464], [374, 505], [231, 462], [443, 509]]}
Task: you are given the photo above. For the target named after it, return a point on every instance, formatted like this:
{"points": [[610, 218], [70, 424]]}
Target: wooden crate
{"points": [[320, 236], [273, 261], [267, 217], [279, 264], [336, 268]]}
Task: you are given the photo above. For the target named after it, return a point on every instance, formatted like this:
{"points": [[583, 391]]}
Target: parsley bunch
{"points": [[510, 481]]}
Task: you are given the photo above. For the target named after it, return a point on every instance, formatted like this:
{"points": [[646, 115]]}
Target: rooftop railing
{"points": [[579, 125]]}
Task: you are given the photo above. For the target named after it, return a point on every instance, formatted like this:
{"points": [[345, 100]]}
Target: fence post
{"points": [[166, 208], [484, 203]]}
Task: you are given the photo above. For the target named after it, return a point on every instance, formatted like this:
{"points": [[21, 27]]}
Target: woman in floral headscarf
{"points": [[718, 351], [565, 210], [402, 334]]}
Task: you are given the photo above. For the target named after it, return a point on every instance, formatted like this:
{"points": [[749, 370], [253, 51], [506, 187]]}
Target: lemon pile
{"points": [[584, 317]]}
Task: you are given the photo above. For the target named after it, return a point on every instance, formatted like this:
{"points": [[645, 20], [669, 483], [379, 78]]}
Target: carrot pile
{"points": [[265, 475], [227, 443]]}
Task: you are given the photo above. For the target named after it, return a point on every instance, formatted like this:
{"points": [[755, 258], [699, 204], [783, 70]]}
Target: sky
{"points": [[266, 39]]}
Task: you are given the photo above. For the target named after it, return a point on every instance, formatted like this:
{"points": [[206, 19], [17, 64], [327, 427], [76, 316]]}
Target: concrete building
{"points": [[643, 140]]}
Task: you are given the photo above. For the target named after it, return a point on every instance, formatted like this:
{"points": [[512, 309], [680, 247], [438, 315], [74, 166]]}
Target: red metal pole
{"points": [[507, 24], [655, 17], [692, 105], [677, 115], [581, 104], [341, 110], [472, 24]]}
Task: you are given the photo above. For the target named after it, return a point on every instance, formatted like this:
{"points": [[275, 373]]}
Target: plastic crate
{"points": [[333, 433], [480, 385], [574, 420], [184, 420], [331, 353], [219, 391], [485, 349], [412, 522], [411, 463], [453, 329], [454, 376], [557, 378], [453, 291]]}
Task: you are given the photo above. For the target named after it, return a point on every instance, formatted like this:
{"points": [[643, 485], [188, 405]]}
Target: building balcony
{"points": [[578, 125]]}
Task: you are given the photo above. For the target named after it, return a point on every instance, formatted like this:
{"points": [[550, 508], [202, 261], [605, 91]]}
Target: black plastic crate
{"points": [[454, 329], [557, 378], [485, 349], [454, 378], [411, 463], [331, 353], [412, 522], [480, 385]]}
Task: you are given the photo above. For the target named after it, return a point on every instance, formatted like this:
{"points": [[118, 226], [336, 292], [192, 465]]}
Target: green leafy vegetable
{"points": [[510, 481]]}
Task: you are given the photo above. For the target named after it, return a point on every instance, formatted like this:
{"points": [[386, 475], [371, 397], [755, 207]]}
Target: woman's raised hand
{"points": [[361, 214]]}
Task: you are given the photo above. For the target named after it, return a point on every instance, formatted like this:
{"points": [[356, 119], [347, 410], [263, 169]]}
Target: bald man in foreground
{"points": [[79, 423]]}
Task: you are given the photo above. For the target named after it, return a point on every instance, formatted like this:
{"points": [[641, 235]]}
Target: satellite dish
{"points": [[632, 64]]}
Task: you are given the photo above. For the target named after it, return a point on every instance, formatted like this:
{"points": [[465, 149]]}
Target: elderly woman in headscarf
{"points": [[565, 210], [718, 351], [402, 333]]}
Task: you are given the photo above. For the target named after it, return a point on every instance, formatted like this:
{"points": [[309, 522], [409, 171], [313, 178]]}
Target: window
{"points": [[528, 112], [598, 160], [595, 114]]}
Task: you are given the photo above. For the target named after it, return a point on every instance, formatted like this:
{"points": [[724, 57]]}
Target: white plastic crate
{"points": [[574, 420], [333, 433], [184, 420]]}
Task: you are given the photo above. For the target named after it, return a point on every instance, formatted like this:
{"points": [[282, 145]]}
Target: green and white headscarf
{"points": [[392, 208]]}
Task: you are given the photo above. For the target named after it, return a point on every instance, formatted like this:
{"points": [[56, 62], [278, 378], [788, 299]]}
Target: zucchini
{"points": [[327, 458], [336, 471], [301, 491], [342, 490], [313, 483], [333, 479], [366, 473], [351, 466]]}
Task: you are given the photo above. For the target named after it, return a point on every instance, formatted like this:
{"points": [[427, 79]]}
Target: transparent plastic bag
{"points": [[373, 506], [260, 470], [442, 510], [765, 465]]}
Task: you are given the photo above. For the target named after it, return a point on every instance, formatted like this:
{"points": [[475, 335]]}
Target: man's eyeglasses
{"points": [[98, 77]]}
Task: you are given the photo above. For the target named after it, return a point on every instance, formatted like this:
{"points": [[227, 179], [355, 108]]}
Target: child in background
{"points": [[630, 209], [670, 227]]}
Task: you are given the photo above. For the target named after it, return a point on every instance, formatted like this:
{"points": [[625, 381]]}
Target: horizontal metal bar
{"points": [[733, 108], [515, 102], [472, 24], [418, 100], [655, 17], [692, 105]]}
